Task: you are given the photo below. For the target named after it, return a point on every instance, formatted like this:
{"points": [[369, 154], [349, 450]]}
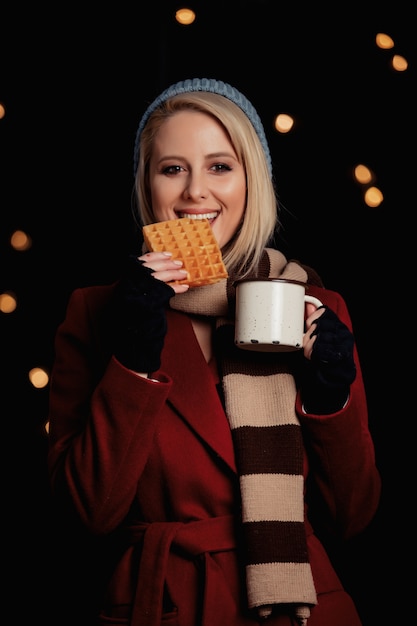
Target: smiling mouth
{"points": [[199, 216]]}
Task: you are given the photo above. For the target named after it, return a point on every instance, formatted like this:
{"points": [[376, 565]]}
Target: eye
{"points": [[172, 169], [221, 167]]}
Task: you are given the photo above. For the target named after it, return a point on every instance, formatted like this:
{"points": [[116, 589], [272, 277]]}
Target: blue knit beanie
{"points": [[213, 86]]}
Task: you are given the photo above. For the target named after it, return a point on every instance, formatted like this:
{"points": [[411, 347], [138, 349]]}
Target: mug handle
{"points": [[313, 300]]}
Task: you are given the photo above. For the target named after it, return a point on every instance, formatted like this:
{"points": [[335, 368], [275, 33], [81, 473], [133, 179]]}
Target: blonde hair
{"points": [[260, 222]]}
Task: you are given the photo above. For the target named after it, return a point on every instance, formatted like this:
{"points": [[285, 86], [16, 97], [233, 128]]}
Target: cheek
{"points": [[161, 200], [228, 224], [234, 194], [237, 202]]}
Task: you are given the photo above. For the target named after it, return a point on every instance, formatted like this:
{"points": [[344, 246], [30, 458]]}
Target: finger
{"points": [[308, 344], [180, 288], [313, 315], [160, 262], [310, 308], [170, 275], [155, 255], [150, 257]]}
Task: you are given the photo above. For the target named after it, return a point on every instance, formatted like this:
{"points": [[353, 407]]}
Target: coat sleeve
{"points": [[342, 461], [102, 419]]}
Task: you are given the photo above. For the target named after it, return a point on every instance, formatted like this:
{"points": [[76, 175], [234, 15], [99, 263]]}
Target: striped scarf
{"points": [[259, 394]]}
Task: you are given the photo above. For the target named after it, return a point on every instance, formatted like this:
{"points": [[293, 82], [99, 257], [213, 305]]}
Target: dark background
{"points": [[75, 83]]}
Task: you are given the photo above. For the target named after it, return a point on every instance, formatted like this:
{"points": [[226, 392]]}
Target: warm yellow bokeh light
{"points": [[20, 240], [38, 377], [363, 174], [384, 41], [283, 123], [8, 302], [185, 16], [373, 197], [2, 111], [399, 63]]}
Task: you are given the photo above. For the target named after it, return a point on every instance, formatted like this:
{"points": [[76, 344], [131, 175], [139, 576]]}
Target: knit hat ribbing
{"points": [[213, 86]]}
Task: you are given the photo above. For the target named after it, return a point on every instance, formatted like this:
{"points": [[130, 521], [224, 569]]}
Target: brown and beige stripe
{"points": [[259, 393]]}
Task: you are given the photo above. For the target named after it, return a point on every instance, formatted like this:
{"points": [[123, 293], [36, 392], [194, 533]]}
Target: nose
{"points": [[196, 187]]}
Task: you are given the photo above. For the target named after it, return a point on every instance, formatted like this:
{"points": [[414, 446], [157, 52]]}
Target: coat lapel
{"points": [[193, 394]]}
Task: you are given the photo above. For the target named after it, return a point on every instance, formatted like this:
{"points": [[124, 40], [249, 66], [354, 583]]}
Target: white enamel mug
{"points": [[270, 314]]}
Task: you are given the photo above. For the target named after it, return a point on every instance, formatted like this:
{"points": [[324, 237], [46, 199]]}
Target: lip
{"points": [[198, 215]]}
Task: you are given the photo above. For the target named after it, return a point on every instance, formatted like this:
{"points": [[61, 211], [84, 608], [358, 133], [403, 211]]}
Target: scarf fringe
{"points": [[302, 613]]}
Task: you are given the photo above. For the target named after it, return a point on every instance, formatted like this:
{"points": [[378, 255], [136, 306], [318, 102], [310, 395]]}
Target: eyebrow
{"points": [[212, 155]]}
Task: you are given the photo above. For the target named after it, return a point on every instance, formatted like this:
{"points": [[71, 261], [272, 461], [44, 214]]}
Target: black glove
{"points": [[330, 372], [143, 300]]}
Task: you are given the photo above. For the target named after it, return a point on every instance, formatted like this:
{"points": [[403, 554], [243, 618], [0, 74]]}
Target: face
{"points": [[195, 172]]}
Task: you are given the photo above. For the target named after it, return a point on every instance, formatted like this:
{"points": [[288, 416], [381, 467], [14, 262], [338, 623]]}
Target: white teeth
{"points": [[200, 216]]}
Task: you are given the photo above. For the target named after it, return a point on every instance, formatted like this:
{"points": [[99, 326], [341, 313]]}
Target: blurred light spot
{"points": [[283, 123], [38, 377], [373, 196], [384, 41], [8, 302], [363, 174], [185, 16], [399, 63], [20, 240], [2, 111]]}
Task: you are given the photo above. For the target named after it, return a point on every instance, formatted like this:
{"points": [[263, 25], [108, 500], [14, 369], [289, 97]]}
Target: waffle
{"points": [[192, 242]]}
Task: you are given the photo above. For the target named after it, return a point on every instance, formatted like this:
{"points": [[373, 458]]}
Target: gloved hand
{"points": [[143, 300], [330, 372]]}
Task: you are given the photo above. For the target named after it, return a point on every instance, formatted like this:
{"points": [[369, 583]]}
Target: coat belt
{"points": [[190, 540]]}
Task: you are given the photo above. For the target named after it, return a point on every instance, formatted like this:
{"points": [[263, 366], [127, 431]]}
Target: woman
{"points": [[162, 431]]}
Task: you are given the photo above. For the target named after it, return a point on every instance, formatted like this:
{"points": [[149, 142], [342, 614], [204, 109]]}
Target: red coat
{"points": [[152, 464]]}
